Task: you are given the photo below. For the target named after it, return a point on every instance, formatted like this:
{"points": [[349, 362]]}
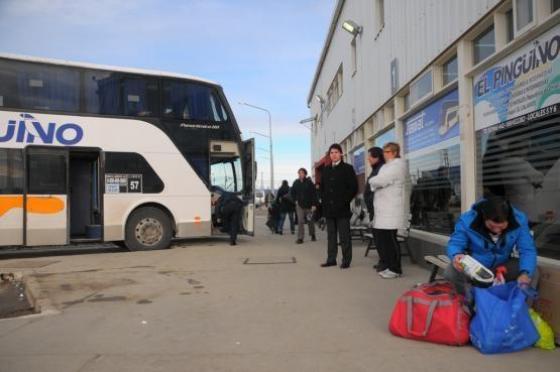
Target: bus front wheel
{"points": [[148, 228]]}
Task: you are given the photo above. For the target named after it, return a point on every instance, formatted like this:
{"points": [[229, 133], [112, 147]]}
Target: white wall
{"points": [[415, 32]]}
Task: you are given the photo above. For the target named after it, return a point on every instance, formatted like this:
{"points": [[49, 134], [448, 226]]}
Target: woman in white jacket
{"points": [[389, 207]]}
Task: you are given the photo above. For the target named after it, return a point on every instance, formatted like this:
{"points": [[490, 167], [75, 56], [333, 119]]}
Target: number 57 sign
{"points": [[123, 183]]}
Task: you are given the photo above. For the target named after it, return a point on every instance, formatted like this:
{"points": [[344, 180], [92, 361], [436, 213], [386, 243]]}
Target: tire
{"points": [[148, 229]]}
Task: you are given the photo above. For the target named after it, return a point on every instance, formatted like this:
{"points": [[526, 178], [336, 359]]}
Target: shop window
{"points": [[523, 14], [484, 45], [385, 137], [421, 87], [435, 200], [509, 25], [555, 5], [522, 164], [450, 70], [136, 167], [11, 171]]}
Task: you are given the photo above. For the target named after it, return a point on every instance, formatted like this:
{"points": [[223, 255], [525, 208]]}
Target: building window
{"points": [[450, 70], [421, 87], [522, 164], [509, 25], [335, 91], [354, 57], [484, 45], [523, 13], [385, 137], [11, 171], [379, 15], [555, 5], [406, 99]]}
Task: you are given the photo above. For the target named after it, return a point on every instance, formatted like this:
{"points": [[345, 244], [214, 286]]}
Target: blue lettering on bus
{"points": [[30, 130]]}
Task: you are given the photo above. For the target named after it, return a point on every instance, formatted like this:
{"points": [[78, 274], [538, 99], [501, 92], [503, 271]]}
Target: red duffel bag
{"points": [[432, 312]]}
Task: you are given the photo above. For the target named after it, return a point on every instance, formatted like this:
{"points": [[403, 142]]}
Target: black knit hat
{"points": [[495, 208]]}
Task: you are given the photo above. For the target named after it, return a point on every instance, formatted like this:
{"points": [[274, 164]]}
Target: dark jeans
{"points": [[388, 249], [282, 218], [464, 284], [231, 216], [340, 227]]}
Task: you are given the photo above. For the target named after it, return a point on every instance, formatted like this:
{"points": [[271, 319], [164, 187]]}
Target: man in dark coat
{"points": [[228, 209], [338, 187], [305, 196]]}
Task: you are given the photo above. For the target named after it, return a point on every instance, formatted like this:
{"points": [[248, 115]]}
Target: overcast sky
{"points": [[263, 52]]}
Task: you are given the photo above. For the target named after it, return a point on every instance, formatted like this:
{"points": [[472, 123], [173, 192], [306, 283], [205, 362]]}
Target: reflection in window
{"points": [[47, 172], [450, 70], [226, 174], [435, 200], [522, 163], [11, 171], [190, 101], [484, 45], [524, 9], [421, 88]]}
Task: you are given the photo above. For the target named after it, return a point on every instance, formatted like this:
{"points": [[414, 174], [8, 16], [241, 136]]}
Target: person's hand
{"points": [[457, 262], [523, 280]]}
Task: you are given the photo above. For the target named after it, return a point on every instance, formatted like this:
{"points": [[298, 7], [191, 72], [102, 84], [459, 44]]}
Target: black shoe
{"points": [[313, 238], [233, 242], [345, 266], [299, 241], [293, 232], [328, 264]]}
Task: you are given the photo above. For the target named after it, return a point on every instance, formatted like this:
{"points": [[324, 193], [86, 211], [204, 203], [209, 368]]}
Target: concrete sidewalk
{"points": [[198, 307]]}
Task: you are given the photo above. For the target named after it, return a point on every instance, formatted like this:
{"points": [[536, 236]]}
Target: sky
{"points": [[262, 52]]}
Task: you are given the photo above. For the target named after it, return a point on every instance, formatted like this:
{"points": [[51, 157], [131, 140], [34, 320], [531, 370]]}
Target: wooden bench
{"points": [[438, 262]]}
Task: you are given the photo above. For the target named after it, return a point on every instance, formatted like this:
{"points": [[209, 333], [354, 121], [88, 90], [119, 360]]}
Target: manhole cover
{"points": [[269, 260]]}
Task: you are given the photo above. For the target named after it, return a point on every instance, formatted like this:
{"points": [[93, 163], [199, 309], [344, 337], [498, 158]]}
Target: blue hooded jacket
{"points": [[471, 237]]}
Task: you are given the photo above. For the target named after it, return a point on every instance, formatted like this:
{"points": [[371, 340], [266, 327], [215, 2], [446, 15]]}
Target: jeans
{"points": [[282, 218], [301, 212]]}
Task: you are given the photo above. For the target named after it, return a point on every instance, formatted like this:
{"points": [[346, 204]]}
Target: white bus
{"points": [[94, 153]]}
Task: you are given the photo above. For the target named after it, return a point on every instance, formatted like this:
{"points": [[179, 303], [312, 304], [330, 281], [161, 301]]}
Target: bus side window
{"points": [[191, 101], [11, 171]]}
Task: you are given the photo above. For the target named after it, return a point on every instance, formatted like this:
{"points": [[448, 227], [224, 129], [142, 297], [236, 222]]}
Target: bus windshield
{"points": [[226, 174]]}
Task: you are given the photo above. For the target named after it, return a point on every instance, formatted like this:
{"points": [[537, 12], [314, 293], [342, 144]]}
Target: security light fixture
{"points": [[352, 27]]}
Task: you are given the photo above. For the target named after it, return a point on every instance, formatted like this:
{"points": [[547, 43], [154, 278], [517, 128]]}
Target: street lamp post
{"points": [[269, 139]]}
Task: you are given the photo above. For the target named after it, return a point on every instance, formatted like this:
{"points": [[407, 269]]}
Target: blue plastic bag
{"points": [[502, 323]]}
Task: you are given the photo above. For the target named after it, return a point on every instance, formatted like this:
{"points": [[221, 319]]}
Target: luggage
{"points": [[502, 323], [432, 312]]}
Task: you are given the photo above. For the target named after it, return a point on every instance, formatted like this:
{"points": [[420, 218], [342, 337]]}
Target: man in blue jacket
{"points": [[489, 232]]}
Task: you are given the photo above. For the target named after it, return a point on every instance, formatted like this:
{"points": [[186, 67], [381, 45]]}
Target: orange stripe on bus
{"points": [[35, 204]]}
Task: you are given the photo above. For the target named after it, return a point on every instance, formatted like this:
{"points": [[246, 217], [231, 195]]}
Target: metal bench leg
{"points": [[435, 270], [369, 247]]}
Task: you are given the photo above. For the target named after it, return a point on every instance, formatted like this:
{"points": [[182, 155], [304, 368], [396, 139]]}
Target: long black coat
{"points": [[304, 193], [338, 187]]}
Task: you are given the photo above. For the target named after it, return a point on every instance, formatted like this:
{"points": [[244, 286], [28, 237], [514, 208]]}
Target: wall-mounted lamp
{"points": [[352, 27]]}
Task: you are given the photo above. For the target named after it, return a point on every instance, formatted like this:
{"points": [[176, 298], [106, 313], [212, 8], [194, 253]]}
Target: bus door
{"points": [[227, 173], [46, 197], [11, 196], [249, 180]]}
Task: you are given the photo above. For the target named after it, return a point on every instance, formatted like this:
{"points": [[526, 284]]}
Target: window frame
{"points": [[517, 32], [443, 69], [479, 36]]}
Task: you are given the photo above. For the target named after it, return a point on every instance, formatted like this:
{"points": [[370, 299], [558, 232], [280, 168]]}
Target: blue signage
{"points": [[435, 123], [30, 130], [359, 161]]}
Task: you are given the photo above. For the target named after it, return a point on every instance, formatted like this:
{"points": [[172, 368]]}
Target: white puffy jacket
{"points": [[389, 199]]}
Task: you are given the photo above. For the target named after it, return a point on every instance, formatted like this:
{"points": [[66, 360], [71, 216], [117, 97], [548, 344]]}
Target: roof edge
{"points": [[332, 27]]}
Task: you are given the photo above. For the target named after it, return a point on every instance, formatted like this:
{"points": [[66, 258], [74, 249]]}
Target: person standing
{"points": [[376, 161], [389, 209], [305, 196], [338, 187], [286, 206]]}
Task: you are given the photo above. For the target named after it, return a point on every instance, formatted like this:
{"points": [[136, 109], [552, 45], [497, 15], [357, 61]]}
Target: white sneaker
{"points": [[388, 274]]}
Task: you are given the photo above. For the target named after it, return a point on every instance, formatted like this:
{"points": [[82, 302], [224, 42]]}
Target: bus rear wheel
{"points": [[148, 228]]}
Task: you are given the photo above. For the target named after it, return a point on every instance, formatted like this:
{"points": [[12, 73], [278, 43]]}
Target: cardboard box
{"points": [[548, 303]]}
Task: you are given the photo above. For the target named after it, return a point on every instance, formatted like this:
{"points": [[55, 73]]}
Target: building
{"points": [[471, 91]]}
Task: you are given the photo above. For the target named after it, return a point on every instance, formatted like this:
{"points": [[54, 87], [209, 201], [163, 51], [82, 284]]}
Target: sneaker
{"points": [[388, 274]]}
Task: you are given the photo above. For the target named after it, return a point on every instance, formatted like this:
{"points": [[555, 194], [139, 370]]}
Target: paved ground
{"points": [[197, 307]]}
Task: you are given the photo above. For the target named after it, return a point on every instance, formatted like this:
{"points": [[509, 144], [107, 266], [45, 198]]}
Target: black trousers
{"points": [[231, 216], [388, 249], [340, 227]]}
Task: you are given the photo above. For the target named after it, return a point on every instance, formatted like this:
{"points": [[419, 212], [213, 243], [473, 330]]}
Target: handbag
{"points": [[502, 323], [432, 312]]}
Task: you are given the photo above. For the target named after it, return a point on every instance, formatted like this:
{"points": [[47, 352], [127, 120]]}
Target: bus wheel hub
{"points": [[149, 231]]}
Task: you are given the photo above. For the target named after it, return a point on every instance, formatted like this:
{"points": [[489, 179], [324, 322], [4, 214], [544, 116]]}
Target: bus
{"points": [[92, 153]]}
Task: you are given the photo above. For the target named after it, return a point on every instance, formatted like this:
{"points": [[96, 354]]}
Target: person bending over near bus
{"points": [[489, 232], [228, 208], [304, 194]]}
